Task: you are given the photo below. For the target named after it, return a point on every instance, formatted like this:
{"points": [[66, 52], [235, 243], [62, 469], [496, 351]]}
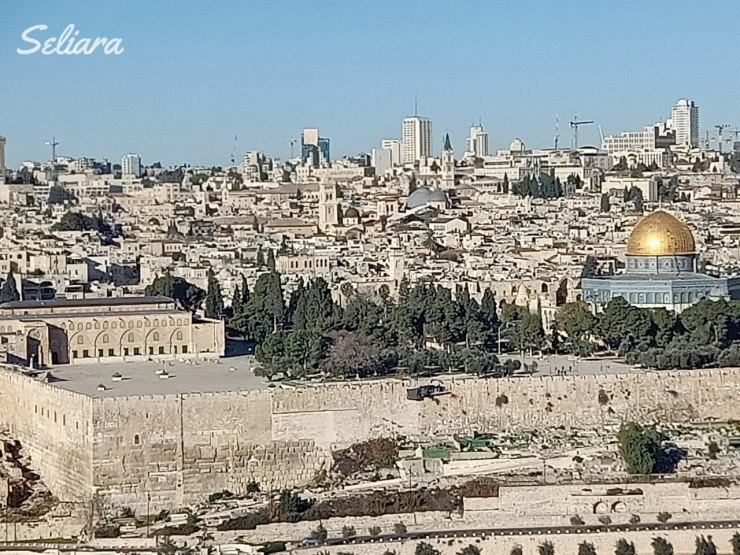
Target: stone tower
{"points": [[448, 164], [328, 204]]}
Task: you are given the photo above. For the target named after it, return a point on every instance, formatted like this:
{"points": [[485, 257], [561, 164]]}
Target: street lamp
{"points": [[506, 325]]}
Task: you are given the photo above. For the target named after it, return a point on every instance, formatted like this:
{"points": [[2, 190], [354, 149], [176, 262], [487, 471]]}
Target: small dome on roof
{"points": [[423, 196], [352, 212]]}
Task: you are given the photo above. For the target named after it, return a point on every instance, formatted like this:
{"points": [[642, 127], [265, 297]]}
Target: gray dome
{"points": [[423, 196], [352, 213]]}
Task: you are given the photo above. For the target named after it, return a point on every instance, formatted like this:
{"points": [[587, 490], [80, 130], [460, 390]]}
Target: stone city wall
{"points": [[180, 448], [54, 427]]}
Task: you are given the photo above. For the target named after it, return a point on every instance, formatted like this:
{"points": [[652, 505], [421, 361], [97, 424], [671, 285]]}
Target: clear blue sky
{"points": [[194, 74]]}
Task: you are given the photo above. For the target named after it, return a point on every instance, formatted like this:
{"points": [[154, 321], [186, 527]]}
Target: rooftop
{"points": [[140, 378], [69, 303]]}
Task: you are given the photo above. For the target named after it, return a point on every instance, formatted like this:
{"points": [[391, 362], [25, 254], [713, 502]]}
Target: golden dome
{"points": [[660, 234]]}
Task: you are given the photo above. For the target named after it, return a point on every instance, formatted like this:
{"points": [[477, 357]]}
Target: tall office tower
{"points": [[395, 147], [685, 121], [131, 165], [478, 141], [314, 149], [417, 139], [2, 159], [381, 160]]}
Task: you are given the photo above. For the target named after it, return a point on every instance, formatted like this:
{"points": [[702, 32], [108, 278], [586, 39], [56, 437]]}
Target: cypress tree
{"points": [[9, 290], [214, 300]]}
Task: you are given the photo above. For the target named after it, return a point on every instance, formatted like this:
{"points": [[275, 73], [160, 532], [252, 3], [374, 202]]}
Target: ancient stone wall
{"points": [[180, 448], [54, 427]]}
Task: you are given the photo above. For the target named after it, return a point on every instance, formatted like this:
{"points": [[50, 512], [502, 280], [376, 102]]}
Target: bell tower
{"points": [[448, 164]]}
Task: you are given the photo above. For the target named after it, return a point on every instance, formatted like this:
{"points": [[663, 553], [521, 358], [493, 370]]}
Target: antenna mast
{"points": [[53, 144]]}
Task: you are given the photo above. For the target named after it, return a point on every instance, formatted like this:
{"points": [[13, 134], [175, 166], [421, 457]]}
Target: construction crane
{"points": [[719, 129], [292, 150], [53, 144], [575, 124]]}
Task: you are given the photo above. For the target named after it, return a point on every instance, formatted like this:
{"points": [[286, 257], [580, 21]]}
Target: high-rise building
{"points": [[685, 121], [314, 149], [395, 146], [131, 165], [381, 160], [477, 143], [2, 159], [417, 139]]}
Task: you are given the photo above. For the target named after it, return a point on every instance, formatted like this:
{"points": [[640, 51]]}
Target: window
{"points": [[100, 353], [161, 350], [105, 325], [113, 325], [136, 439], [137, 351], [147, 323], [125, 351], [80, 340], [151, 350], [105, 338], [130, 337], [64, 420], [156, 323], [88, 326], [155, 336], [179, 335], [74, 354], [184, 349], [130, 325], [111, 352], [85, 353], [79, 327], [97, 325], [138, 324]]}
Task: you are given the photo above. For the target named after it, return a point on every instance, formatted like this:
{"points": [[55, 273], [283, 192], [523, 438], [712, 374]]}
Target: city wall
{"points": [[54, 427], [170, 450]]}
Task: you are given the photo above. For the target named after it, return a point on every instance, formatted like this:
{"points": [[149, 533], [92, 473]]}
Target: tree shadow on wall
{"points": [[667, 458]]}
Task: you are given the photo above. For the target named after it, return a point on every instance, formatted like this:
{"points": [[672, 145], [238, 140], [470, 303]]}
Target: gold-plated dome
{"points": [[660, 234]]}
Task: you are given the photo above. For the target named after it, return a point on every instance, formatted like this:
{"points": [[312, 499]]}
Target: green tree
{"points": [[470, 549], [590, 267], [348, 532], [638, 446], [664, 517], [270, 260], [319, 534], [399, 528], [735, 542], [516, 550], [705, 546], [423, 548], [214, 299], [9, 290], [624, 547], [187, 295], [661, 546], [260, 257], [586, 548], [546, 548], [605, 204]]}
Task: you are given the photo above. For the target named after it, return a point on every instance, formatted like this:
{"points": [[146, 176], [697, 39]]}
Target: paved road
{"points": [[549, 530]]}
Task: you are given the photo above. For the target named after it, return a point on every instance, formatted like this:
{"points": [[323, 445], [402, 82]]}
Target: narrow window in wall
{"points": [[136, 439]]}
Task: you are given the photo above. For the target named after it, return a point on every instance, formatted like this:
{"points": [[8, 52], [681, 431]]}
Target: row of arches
{"points": [[122, 324]]}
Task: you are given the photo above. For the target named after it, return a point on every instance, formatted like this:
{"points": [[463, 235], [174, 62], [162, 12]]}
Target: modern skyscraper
{"points": [[685, 121], [395, 146], [478, 141], [2, 159], [314, 149], [131, 165], [417, 139]]}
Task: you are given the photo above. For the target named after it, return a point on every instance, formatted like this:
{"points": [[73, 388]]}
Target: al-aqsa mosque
{"points": [[660, 270]]}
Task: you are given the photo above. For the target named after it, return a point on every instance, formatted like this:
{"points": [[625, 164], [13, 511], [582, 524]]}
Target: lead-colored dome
{"points": [[660, 234]]}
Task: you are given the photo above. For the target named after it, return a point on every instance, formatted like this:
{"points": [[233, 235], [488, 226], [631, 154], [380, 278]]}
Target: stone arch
{"points": [[601, 508], [544, 288], [619, 507], [158, 346], [129, 341]]}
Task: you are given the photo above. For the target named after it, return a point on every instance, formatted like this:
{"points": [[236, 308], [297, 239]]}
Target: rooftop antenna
{"points": [[53, 144], [415, 104], [557, 134], [601, 134], [233, 151]]}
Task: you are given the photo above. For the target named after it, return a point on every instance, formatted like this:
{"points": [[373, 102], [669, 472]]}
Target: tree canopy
{"points": [[187, 295]]}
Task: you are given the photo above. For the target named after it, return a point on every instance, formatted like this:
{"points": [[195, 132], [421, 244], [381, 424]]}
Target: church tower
{"points": [[328, 204], [448, 164]]}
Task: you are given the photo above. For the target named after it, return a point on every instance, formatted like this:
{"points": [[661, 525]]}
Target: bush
{"points": [[253, 487], [179, 530], [292, 503], [664, 517], [586, 548], [546, 548], [713, 450], [638, 447], [374, 530], [319, 534], [348, 532], [399, 528], [249, 521], [606, 520], [635, 519], [470, 550], [624, 547], [576, 520], [127, 512], [163, 516], [661, 547], [272, 547], [516, 550], [423, 548], [107, 531], [219, 495]]}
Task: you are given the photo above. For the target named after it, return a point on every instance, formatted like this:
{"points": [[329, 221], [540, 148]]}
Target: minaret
{"points": [[328, 204], [448, 164]]}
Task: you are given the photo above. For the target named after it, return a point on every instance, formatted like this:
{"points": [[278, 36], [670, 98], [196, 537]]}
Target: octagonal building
{"points": [[660, 270]]}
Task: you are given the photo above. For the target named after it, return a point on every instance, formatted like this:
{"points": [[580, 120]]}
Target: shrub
{"points": [[661, 547], [624, 547], [423, 548], [399, 528], [546, 548], [576, 520], [735, 541], [603, 397], [107, 531], [635, 519], [713, 450], [319, 534], [348, 531], [470, 550], [664, 517], [606, 520], [374, 530], [586, 548], [290, 503], [516, 550], [219, 495], [272, 547], [250, 521], [253, 487], [163, 516], [127, 512], [178, 530]]}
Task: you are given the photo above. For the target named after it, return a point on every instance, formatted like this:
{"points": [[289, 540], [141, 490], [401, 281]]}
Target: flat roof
{"points": [[67, 303], [140, 378]]}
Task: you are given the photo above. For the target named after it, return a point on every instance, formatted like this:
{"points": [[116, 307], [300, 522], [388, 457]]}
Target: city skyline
{"points": [[173, 95]]}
